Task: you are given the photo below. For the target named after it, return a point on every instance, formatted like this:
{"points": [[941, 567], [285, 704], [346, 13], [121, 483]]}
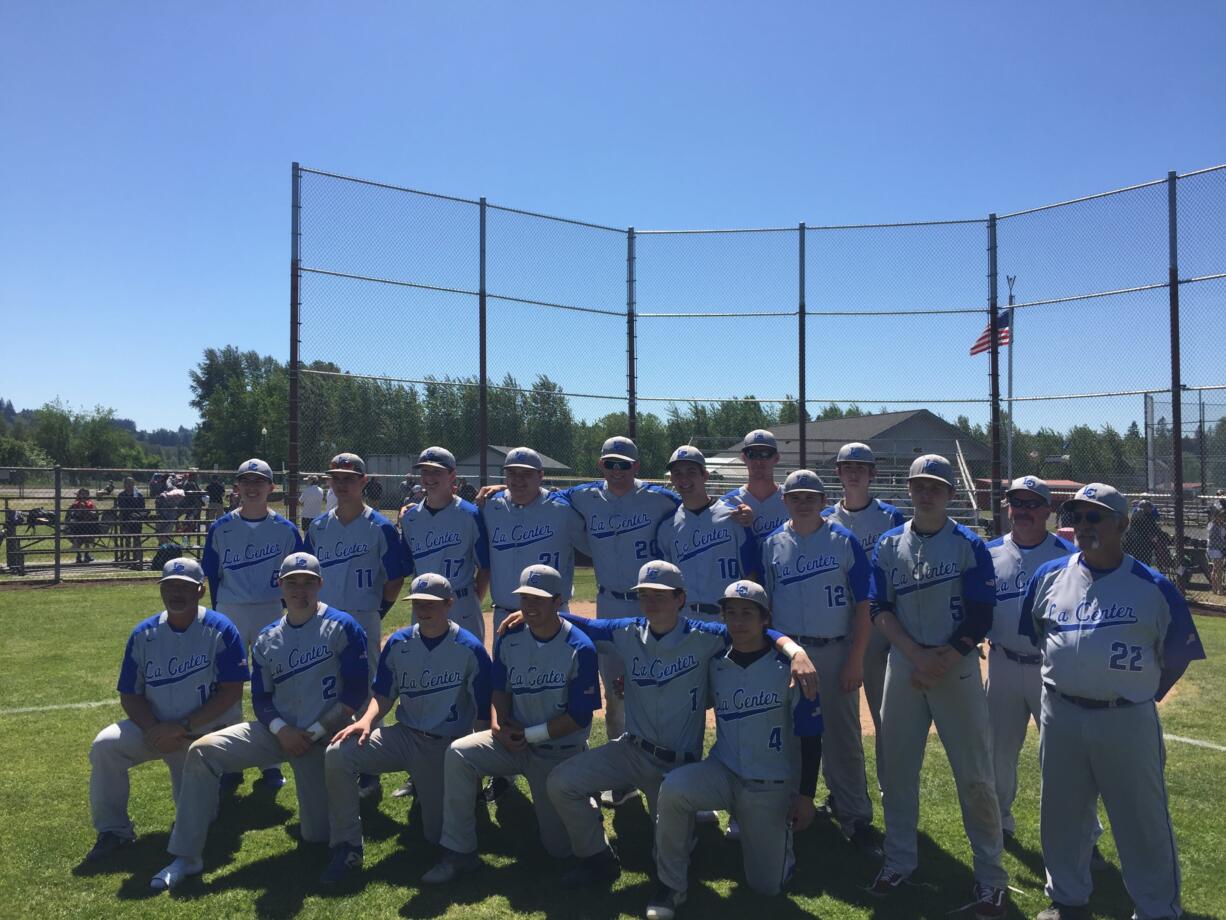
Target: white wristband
{"points": [[316, 731], [276, 725], [535, 734], [791, 649]]}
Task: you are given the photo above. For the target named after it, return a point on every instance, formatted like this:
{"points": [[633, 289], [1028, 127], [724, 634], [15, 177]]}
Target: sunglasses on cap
{"points": [[759, 453], [1029, 503], [616, 464], [1092, 517]]}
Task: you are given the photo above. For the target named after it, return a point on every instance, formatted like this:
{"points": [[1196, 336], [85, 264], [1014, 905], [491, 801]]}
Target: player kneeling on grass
{"points": [[309, 674], [440, 674], [756, 770], [182, 674], [544, 689]]}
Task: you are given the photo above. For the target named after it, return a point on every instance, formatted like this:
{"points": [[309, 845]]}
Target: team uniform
{"points": [[925, 580], [357, 559], [752, 771], [666, 694], [544, 680], [441, 686], [712, 551], [302, 675], [546, 532], [1112, 643], [451, 542], [768, 515], [621, 533], [815, 582], [241, 560], [176, 672], [1014, 687]]}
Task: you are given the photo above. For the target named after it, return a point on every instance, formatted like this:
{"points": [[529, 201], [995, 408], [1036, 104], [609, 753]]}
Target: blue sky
{"points": [[148, 146]]}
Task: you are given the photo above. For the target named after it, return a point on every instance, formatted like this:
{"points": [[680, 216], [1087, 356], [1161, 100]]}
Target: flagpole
{"points": [[1012, 338]]}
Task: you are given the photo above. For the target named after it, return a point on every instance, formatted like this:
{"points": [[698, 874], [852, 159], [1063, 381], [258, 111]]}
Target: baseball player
{"points": [[817, 578], [666, 656], [932, 593], [1115, 636], [308, 675], [703, 539], [868, 518], [762, 768], [761, 493], [438, 676], [545, 690], [242, 554], [445, 534], [182, 674]]}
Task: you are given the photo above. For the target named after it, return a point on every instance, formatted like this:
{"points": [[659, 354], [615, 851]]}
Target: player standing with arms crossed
{"points": [[1115, 637], [932, 594], [761, 493], [817, 578], [703, 538], [762, 768], [308, 675], [242, 554], [437, 674], [182, 674], [445, 534]]}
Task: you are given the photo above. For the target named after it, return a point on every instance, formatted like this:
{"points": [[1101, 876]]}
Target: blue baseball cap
{"points": [[347, 463], [438, 457], [687, 454], [932, 466], [746, 590], [660, 576], [803, 481], [524, 457], [540, 581], [855, 452], [254, 467], [1030, 484], [300, 564], [430, 587], [759, 437], [183, 569]]}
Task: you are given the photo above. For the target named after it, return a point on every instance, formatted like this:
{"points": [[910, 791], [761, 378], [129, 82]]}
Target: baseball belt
{"points": [[1020, 659], [1085, 703], [710, 610], [661, 753], [426, 734], [621, 596], [555, 747], [818, 641]]}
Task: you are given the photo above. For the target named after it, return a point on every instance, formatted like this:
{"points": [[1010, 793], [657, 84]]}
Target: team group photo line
{"points": [[767, 610]]}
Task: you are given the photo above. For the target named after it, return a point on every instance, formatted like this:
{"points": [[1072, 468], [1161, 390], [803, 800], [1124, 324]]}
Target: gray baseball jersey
{"points": [[666, 676], [1014, 564], [450, 542], [621, 530], [1108, 635], [546, 531], [924, 579], [768, 514], [298, 673], [546, 679], [357, 558], [710, 548], [869, 523], [441, 684], [758, 718], [814, 581], [241, 558], [176, 671]]}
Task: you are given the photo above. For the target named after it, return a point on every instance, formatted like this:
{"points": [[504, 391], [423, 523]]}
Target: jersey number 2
{"points": [[1125, 657], [329, 687]]}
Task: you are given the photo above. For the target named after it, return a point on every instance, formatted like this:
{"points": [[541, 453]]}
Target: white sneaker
{"points": [[734, 829], [175, 874]]}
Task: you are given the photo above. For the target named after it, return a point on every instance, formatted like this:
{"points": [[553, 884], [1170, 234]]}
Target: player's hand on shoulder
{"points": [[294, 741], [800, 812], [804, 675], [743, 515], [486, 492], [512, 620]]}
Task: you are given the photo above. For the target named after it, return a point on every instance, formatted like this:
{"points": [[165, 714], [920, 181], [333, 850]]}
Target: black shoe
{"points": [[272, 779], [230, 782], [369, 787], [603, 869], [826, 809], [346, 863], [494, 790], [864, 840], [1056, 911], [450, 867], [106, 845], [664, 903], [406, 789]]}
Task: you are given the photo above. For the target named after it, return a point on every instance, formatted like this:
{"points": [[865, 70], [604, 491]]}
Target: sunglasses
{"points": [[616, 464], [1029, 503], [759, 453], [1092, 517]]}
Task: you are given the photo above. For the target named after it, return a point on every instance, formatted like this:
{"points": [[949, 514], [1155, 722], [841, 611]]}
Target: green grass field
{"points": [[63, 645]]}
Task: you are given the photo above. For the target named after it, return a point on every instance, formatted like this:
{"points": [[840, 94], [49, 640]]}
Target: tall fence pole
{"points": [[631, 366], [483, 404], [59, 515], [295, 319], [800, 342], [1176, 381], [993, 332]]}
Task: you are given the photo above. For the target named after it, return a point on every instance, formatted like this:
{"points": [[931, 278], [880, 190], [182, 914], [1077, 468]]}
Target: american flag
{"points": [[1003, 334]]}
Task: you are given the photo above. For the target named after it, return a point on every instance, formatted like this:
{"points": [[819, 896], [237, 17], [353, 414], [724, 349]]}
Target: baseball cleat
{"points": [[369, 787], [990, 902], [664, 903], [1056, 911], [405, 789], [864, 840], [734, 829], [346, 862], [612, 798], [450, 867], [603, 869], [885, 883], [272, 779], [494, 789], [176, 873], [106, 845]]}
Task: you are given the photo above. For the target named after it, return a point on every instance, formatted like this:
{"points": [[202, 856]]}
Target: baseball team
{"points": [[737, 608]]}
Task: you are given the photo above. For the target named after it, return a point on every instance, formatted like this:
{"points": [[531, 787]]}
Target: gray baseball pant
{"points": [[612, 667], [248, 744], [959, 708], [387, 750], [875, 658], [478, 755], [760, 808], [117, 748], [250, 619], [1118, 754]]}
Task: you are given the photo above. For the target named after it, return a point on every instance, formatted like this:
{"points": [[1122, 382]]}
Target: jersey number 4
{"points": [[1126, 657], [776, 739]]}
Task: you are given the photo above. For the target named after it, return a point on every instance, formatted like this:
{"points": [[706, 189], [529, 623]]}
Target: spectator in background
{"points": [[234, 500], [374, 491], [157, 484], [167, 504], [192, 505], [1215, 538], [465, 489], [1145, 540], [82, 525], [329, 500], [216, 493], [312, 502], [130, 504]]}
